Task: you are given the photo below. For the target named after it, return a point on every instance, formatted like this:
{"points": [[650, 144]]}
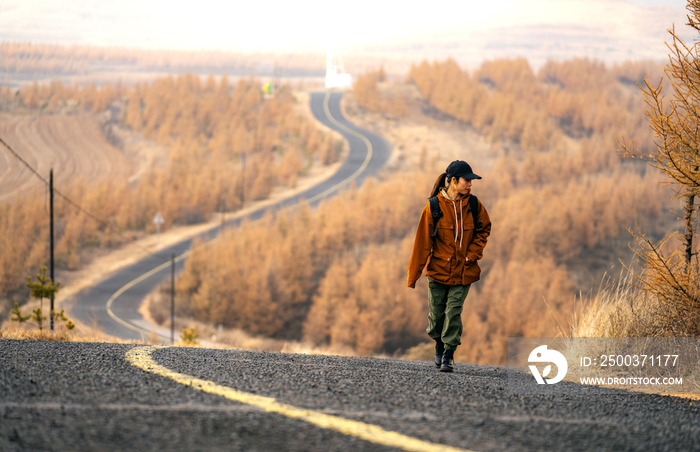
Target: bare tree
{"points": [[676, 124]]}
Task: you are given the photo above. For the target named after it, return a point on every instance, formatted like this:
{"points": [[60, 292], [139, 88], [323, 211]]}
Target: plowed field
{"points": [[73, 145]]}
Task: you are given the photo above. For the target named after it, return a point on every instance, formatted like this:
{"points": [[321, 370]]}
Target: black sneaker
{"points": [[439, 350], [447, 361]]}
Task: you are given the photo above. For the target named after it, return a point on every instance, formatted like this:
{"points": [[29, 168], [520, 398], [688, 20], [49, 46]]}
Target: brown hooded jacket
{"points": [[446, 253]]}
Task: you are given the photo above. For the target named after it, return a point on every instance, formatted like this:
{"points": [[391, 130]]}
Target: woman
{"points": [[451, 251]]}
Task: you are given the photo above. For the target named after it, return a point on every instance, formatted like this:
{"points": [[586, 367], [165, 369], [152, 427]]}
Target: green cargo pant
{"points": [[445, 314]]}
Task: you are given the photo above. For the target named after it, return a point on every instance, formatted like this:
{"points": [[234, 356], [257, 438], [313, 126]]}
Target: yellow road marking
{"points": [[141, 357], [336, 187], [131, 284], [368, 158]]}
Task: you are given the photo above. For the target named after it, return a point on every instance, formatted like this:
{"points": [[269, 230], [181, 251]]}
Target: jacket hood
{"points": [[443, 193]]}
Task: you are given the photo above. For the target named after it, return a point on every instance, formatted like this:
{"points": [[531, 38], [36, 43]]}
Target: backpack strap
{"points": [[474, 207], [436, 212]]}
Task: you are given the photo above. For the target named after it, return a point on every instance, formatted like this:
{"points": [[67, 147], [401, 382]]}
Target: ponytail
{"points": [[439, 184]]}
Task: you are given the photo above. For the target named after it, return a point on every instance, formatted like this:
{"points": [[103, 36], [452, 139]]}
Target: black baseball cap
{"points": [[458, 169]]}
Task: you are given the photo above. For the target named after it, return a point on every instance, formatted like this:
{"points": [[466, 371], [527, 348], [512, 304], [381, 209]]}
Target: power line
{"points": [[70, 201], [22, 160]]}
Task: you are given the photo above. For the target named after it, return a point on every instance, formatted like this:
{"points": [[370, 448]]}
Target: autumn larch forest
{"points": [[558, 192]]}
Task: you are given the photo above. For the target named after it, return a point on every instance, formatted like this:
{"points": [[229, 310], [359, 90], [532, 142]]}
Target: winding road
{"points": [[113, 303]]}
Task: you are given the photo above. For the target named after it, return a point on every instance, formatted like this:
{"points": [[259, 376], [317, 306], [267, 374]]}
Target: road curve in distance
{"points": [[112, 304]]}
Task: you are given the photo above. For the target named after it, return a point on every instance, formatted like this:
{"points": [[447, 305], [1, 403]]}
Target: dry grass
{"points": [[627, 320], [617, 310], [61, 334], [420, 352], [621, 309]]}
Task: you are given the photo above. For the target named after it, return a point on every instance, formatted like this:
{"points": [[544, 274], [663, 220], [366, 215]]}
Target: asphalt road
{"points": [[368, 153], [84, 396]]}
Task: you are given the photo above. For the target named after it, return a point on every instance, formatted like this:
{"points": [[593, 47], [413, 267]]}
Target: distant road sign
{"points": [[158, 220]]}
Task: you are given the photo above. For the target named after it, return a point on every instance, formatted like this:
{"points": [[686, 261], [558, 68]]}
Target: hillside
{"points": [[558, 194], [76, 146], [184, 147]]}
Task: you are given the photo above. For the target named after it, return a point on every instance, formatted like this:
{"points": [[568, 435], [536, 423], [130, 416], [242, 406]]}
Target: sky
{"points": [[469, 26], [680, 4]]}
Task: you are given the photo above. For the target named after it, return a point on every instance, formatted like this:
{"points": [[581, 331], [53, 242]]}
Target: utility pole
{"points": [[172, 301], [53, 280]]}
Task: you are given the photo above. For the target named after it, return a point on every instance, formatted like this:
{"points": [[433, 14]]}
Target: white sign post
{"points": [[158, 220]]}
